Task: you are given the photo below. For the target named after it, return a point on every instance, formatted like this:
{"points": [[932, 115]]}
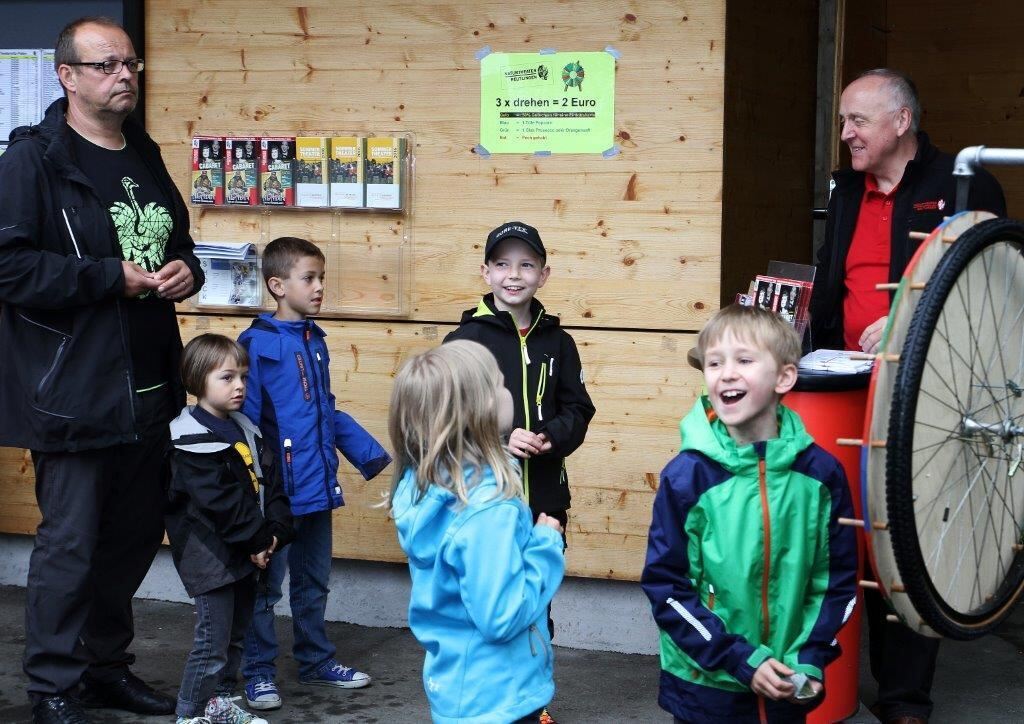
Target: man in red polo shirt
{"points": [[899, 183]]}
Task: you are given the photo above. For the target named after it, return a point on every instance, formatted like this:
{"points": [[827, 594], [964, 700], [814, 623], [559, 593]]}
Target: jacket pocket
{"points": [[46, 350]]}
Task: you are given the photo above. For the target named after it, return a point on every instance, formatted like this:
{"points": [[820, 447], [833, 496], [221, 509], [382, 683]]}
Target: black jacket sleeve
{"points": [[568, 427], [276, 509]]}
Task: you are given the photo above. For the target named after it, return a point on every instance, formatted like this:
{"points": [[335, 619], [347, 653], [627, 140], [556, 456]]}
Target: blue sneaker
{"points": [[262, 694], [334, 674]]}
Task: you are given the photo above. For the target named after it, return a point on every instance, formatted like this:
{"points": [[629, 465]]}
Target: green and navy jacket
{"points": [[543, 372], [746, 561]]}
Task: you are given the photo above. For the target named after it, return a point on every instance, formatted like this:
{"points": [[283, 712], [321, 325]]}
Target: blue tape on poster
{"points": [[613, 151], [542, 153], [612, 52], [481, 151], [546, 51], [483, 52]]}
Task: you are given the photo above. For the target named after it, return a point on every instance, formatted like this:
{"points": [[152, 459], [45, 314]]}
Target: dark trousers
{"points": [[222, 616], [102, 523], [562, 516], [902, 662]]}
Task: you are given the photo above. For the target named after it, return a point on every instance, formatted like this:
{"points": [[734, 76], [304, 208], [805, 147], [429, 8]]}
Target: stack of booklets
{"points": [[232, 274], [785, 290], [836, 361]]}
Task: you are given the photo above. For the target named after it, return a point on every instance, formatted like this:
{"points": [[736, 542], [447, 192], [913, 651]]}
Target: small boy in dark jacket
{"points": [[227, 515]]}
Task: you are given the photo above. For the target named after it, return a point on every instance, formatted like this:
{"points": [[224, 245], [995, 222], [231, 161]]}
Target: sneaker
{"points": [[262, 694], [193, 720], [334, 674], [545, 717], [223, 710]]}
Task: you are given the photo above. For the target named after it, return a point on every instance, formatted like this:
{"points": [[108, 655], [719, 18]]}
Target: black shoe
{"points": [[129, 693], [58, 710]]}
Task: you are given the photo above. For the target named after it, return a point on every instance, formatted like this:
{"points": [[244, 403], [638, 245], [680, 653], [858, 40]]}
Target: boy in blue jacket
{"points": [[289, 397]]}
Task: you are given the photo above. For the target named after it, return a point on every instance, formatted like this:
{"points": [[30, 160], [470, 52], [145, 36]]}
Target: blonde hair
{"points": [[765, 329], [443, 422]]}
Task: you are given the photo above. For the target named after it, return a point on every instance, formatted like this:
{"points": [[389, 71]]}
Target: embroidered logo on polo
{"points": [[142, 231], [301, 364], [937, 205]]}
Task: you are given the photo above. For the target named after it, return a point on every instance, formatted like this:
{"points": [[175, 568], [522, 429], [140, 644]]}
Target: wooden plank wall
{"points": [[633, 240]]}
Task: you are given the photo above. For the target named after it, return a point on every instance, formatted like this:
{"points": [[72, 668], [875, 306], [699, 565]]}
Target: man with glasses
{"points": [[94, 251], [899, 183]]}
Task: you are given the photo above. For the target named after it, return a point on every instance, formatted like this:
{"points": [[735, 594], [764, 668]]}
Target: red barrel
{"points": [[829, 415]]}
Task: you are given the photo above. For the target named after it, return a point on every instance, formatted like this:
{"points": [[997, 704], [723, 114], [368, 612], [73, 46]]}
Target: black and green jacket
{"points": [[543, 372]]}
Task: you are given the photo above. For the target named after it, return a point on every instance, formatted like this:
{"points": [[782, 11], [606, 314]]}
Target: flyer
{"points": [[553, 102]]}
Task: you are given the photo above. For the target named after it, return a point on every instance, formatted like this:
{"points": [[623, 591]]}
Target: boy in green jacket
{"points": [[749, 573]]}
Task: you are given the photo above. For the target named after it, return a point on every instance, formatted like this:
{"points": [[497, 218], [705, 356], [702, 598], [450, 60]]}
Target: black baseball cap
{"points": [[515, 230]]}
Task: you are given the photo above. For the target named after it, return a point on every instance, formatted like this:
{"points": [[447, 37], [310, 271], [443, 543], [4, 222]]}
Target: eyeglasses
{"points": [[113, 67]]}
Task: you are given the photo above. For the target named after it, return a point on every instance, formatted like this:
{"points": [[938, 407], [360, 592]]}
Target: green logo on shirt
{"points": [[142, 232]]}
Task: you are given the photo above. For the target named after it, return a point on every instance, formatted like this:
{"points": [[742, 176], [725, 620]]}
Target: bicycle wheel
{"points": [[954, 483]]}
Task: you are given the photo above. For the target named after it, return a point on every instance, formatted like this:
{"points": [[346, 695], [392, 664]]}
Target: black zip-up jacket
{"points": [[926, 194], [66, 379], [543, 372], [215, 519]]}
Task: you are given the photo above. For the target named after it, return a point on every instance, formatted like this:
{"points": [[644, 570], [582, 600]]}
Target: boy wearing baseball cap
{"points": [[539, 361]]}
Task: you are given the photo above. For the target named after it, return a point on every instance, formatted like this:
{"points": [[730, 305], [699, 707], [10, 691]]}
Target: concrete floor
{"points": [[980, 682]]}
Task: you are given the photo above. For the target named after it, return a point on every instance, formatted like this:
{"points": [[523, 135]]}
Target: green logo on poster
{"points": [[572, 75]]}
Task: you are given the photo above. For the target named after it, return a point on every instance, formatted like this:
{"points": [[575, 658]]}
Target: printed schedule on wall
{"points": [[28, 85], [554, 102]]}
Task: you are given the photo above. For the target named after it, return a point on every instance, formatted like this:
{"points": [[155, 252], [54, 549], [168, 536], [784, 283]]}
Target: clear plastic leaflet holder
{"points": [[368, 250]]}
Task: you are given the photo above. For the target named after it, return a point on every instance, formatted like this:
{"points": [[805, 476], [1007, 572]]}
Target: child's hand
{"points": [[524, 444], [768, 680], [545, 519]]}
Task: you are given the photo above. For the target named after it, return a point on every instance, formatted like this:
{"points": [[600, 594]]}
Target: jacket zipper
{"points": [[524, 357], [762, 483], [288, 465], [541, 386], [319, 418]]}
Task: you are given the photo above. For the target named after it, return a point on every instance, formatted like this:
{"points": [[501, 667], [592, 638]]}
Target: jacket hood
{"points": [[703, 432], [188, 434], [423, 522]]}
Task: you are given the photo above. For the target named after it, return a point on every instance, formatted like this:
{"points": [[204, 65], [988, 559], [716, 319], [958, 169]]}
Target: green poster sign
{"points": [[559, 102]]}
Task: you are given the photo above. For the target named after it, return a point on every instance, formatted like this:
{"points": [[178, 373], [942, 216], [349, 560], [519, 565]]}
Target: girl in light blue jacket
{"points": [[482, 572]]}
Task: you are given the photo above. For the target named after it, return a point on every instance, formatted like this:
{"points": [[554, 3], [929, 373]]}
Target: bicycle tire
{"points": [[943, 617]]}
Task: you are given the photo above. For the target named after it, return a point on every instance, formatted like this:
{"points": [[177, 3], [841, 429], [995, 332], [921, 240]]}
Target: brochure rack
{"points": [[368, 251]]}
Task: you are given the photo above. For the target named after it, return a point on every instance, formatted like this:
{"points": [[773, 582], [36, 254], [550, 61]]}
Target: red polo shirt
{"points": [[867, 263]]}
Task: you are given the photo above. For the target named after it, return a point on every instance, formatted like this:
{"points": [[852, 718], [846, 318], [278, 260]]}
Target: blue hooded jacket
{"points": [[482, 578], [289, 397]]}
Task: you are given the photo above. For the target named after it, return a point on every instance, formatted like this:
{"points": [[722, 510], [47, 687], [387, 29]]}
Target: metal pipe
{"points": [[967, 159]]}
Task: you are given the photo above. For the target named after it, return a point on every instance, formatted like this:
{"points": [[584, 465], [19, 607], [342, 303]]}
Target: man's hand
{"points": [[174, 281], [768, 680], [137, 280], [261, 559], [524, 444], [872, 336]]}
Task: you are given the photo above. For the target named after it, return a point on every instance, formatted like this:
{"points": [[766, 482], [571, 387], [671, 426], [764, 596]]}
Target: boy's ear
{"points": [[786, 379], [276, 286], [544, 274]]}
